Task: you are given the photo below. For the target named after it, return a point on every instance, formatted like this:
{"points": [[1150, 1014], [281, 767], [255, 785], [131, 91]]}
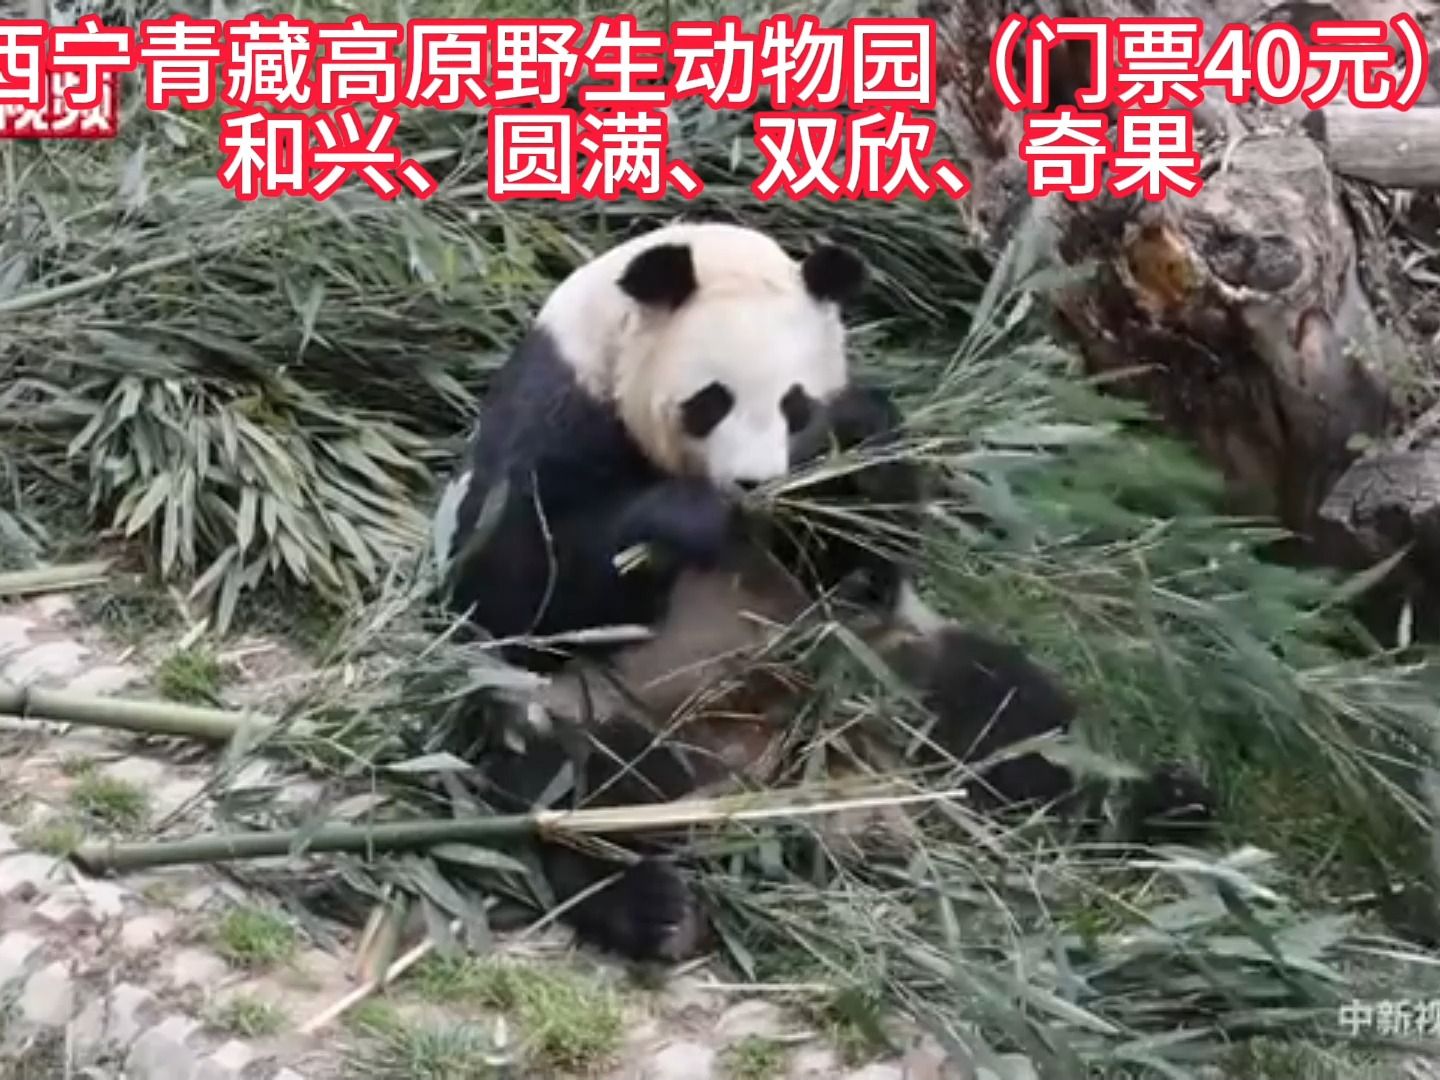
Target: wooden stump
{"points": [[1241, 315]]}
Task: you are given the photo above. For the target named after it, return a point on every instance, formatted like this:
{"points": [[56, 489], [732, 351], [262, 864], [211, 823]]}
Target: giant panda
{"points": [[663, 383]]}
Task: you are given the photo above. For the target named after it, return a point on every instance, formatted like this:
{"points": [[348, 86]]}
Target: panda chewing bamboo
{"points": [[660, 381]]}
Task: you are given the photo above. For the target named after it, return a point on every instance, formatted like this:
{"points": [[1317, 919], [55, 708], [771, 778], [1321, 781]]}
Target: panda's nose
{"points": [[748, 484]]}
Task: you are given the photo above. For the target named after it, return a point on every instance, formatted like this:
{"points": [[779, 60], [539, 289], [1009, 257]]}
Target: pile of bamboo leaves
{"points": [[253, 393]]}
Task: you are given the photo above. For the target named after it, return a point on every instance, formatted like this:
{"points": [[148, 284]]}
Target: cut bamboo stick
{"points": [[52, 578], [120, 857], [148, 717]]}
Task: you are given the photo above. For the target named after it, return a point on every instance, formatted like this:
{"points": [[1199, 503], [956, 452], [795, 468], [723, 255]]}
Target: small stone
{"points": [[173, 794], [25, 874], [54, 606], [878, 1071], [126, 1000], [682, 1061], [750, 1019], [93, 903], [161, 1053], [687, 996], [643, 1032], [814, 1063], [234, 1055], [53, 660], [226, 1063], [143, 772], [198, 898], [196, 967], [112, 1021], [105, 679], [14, 634], [49, 996], [15, 949], [144, 933], [927, 1061]]}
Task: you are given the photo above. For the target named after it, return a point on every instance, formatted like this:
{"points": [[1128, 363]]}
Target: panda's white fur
{"points": [[755, 327], [753, 322], [752, 326]]}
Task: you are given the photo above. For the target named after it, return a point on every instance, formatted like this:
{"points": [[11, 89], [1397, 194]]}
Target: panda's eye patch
{"points": [[703, 410], [797, 407]]}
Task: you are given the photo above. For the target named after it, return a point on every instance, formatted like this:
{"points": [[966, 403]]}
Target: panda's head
{"points": [[729, 349]]}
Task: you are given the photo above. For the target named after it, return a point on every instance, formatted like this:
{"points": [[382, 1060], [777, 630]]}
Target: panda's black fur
{"points": [[539, 560], [579, 488], [585, 495]]}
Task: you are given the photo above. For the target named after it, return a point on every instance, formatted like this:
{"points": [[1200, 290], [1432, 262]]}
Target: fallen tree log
{"points": [[1391, 149], [1240, 315]]}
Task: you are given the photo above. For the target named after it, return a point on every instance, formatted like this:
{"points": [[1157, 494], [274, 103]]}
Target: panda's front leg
{"points": [[688, 520], [630, 552]]}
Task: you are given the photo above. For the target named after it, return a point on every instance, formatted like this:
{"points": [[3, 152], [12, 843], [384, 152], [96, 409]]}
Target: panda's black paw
{"points": [[860, 415], [690, 519], [648, 915]]}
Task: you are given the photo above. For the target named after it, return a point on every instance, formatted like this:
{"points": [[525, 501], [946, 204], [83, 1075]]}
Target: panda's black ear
{"points": [[663, 275], [834, 273]]}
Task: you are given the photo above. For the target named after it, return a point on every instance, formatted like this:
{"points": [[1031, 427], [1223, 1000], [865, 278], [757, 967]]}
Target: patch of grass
{"points": [[570, 1022], [248, 1016], [77, 765], [58, 837], [373, 1015], [40, 1056], [14, 809], [252, 937], [279, 410], [854, 1020], [162, 893], [451, 978], [115, 803], [426, 1051], [753, 1058], [193, 676]]}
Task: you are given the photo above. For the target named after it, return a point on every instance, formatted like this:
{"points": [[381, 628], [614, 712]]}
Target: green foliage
{"points": [[248, 1016], [109, 801], [193, 676], [263, 394], [570, 1023], [265, 391], [754, 1058], [252, 937]]}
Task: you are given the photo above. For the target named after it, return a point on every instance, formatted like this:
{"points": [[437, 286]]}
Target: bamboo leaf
{"points": [[149, 503], [479, 858]]}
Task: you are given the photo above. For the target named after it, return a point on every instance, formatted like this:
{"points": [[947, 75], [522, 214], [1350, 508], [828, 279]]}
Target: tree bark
{"points": [[1243, 316], [1390, 149]]}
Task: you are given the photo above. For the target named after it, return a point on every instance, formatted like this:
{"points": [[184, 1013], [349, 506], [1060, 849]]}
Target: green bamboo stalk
{"points": [[147, 717], [51, 578], [53, 295], [110, 855], [106, 855]]}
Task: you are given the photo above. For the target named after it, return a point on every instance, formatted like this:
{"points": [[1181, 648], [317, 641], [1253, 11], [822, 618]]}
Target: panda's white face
{"points": [[730, 350], [741, 378]]}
